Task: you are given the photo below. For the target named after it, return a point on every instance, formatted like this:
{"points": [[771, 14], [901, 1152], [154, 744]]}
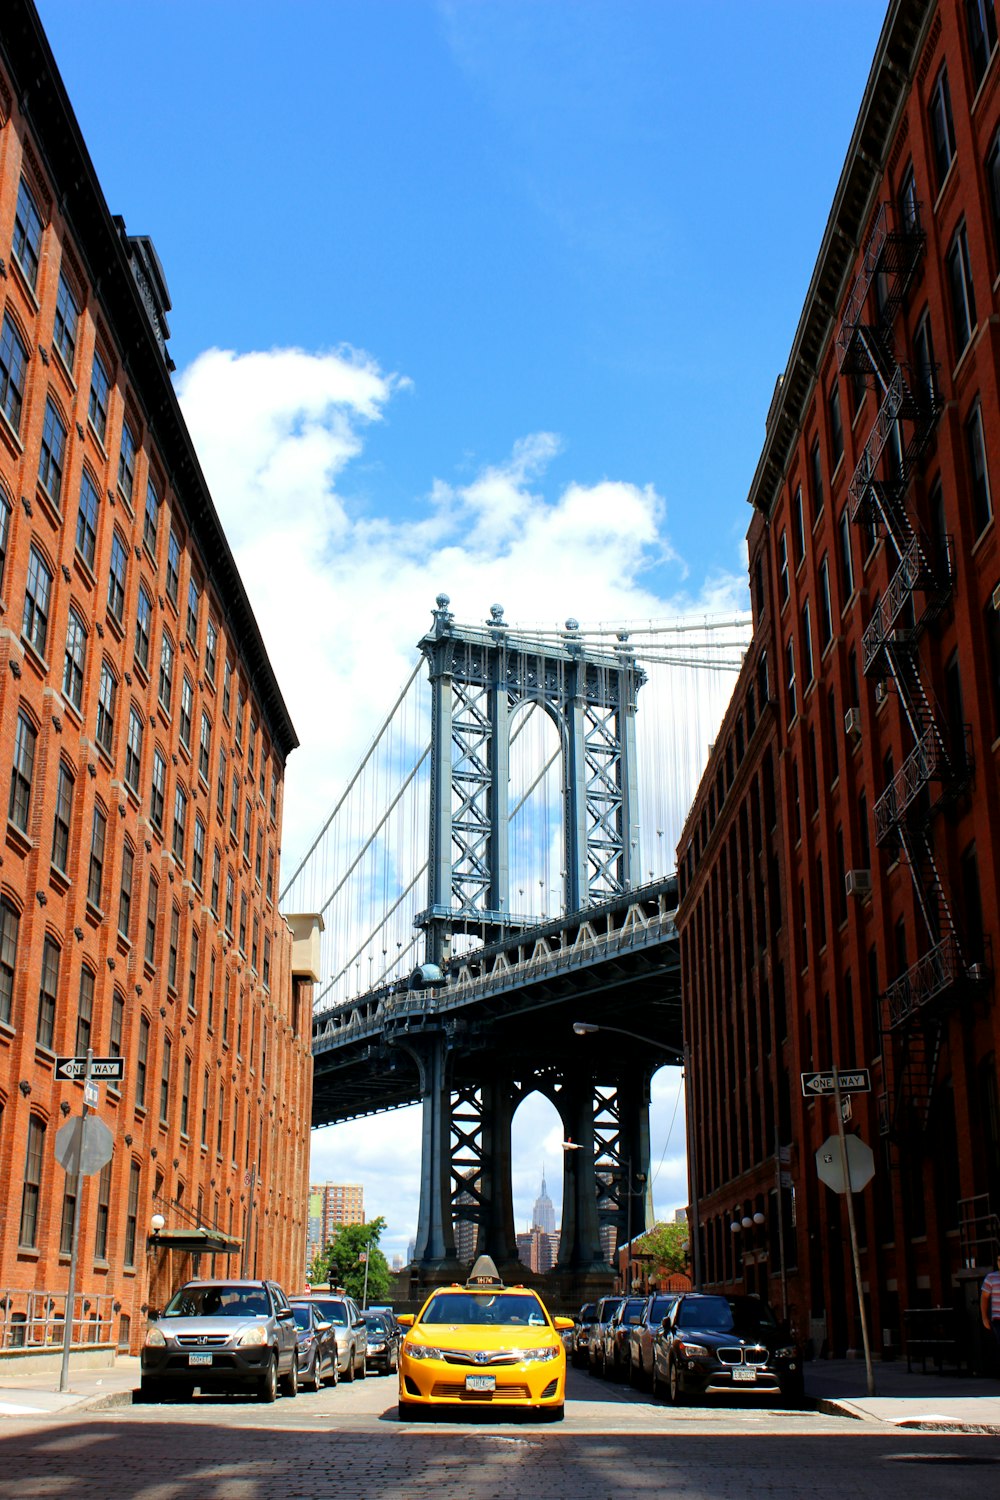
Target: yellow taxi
{"points": [[483, 1344]]}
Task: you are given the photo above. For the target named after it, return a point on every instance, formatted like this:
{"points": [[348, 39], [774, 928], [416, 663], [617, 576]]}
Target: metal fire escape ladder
{"points": [[878, 492]]}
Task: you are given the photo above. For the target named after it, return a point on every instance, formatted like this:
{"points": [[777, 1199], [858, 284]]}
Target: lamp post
{"points": [[588, 1028]]}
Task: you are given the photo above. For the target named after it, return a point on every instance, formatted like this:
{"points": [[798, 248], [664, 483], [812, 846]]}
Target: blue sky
{"points": [[482, 297]]}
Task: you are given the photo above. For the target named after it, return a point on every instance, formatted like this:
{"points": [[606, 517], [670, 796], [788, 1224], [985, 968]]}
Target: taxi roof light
{"points": [[484, 1273]]}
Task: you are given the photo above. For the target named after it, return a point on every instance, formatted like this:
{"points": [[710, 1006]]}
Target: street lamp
{"points": [[682, 1056]]}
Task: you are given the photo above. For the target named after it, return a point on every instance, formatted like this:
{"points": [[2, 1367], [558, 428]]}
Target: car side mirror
{"points": [[285, 1315], [405, 1320], [563, 1325], [323, 1327]]}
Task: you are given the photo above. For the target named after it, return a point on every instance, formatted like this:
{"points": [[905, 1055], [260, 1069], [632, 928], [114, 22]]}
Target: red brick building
{"points": [[143, 739], [839, 867]]}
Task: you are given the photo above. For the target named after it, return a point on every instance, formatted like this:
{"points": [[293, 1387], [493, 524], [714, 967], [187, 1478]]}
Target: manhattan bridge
{"points": [[498, 870]]}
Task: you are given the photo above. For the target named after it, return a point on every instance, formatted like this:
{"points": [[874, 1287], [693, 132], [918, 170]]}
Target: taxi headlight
{"points": [[154, 1338], [535, 1356], [421, 1351], [251, 1337]]}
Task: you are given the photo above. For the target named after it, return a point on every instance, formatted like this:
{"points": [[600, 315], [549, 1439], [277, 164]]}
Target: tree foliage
{"points": [[666, 1244], [341, 1262]]}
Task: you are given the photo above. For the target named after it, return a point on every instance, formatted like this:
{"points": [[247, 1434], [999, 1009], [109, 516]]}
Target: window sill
{"points": [[94, 914], [84, 570], [64, 368], [942, 190], [115, 625], [983, 536], [22, 279], [19, 841], [49, 505], [970, 344], [34, 657], [59, 880], [9, 434], [98, 438]]}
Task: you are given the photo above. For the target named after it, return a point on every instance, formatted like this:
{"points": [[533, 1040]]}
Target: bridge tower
{"points": [[480, 677]]}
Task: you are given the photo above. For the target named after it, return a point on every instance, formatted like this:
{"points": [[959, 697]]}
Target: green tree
{"points": [[665, 1243], [342, 1262]]}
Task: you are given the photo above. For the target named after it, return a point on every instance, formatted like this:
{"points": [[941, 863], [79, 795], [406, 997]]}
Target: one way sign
{"points": [[112, 1068], [857, 1082]]}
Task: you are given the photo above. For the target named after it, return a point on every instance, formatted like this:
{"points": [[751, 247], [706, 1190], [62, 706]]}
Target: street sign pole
{"points": [[71, 1294], [846, 1165]]}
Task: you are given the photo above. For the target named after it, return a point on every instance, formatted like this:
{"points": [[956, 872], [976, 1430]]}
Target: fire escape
{"points": [[938, 765]]}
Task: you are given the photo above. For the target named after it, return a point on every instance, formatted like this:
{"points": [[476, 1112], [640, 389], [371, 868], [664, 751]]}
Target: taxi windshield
{"points": [[503, 1309]]}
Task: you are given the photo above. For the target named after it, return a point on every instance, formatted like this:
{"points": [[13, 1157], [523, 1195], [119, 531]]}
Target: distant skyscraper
{"points": [[543, 1215], [330, 1205]]}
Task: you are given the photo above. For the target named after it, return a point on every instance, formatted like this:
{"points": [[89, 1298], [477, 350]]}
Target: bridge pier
{"points": [[496, 1235], [434, 1249], [580, 1249]]}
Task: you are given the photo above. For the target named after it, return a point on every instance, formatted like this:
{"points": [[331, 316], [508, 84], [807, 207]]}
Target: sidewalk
{"points": [[26, 1393], [933, 1402]]}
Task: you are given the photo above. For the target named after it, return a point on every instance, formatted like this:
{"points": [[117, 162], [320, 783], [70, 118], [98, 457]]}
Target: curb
{"points": [[834, 1408]]}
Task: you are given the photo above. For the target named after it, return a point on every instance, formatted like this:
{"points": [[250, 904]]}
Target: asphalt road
{"points": [[346, 1443]]}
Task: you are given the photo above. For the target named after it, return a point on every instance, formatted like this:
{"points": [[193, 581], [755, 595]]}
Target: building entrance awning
{"points": [[210, 1241]]}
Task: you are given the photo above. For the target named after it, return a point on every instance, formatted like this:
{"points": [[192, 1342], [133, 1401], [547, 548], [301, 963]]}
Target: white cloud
{"points": [[341, 593]]}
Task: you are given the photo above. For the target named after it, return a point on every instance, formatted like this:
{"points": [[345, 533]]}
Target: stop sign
{"points": [[830, 1163], [88, 1136]]}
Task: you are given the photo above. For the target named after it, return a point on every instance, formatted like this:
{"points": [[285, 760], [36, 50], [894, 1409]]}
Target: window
{"points": [[180, 824], [143, 627], [47, 988], [30, 1193], [225, 1008], [211, 989], [825, 608], [247, 812], [86, 520], [194, 600], [216, 879], [942, 128], [227, 690], [266, 976], [982, 505], [10, 924], [211, 645], [846, 559], [173, 566], [95, 876], [254, 946], [151, 520], [151, 904], [133, 750], [982, 23], [198, 854], [125, 890], [240, 706], [172, 947], [13, 365], [28, 227], [798, 527], [4, 534], [21, 773], [103, 1211], [185, 1093], [141, 1065], [219, 1124], [258, 857], [84, 1013], [243, 923], [790, 679], [63, 819], [230, 897], [204, 1109], [251, 746], [963, 296], [993, 183], [126, 460], [106, 695], [187, 709], [37, 596], [807, 645], [204, 747], [66, 320], [220, 786], [816, 478], [52, 456], [783, 565], [100, 388], [193, 970], [836, 425], [234, 808], [909, 206], [132, 1212], [269, 885], [117, 1024], [166, 682], [924, 365], [158, 789], [117, 577]]}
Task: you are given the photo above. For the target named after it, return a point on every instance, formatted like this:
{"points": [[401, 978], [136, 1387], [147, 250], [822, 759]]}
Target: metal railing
{"points": [[938, 969], [888, 414], [36, 1319], [978, 1232]]}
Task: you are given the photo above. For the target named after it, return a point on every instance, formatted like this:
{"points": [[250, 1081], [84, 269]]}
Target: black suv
{"points": [[218, 1335]]}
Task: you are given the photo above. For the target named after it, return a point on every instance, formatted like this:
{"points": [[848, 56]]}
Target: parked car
{"points": [[617, 1330], [580, 1336], [603, 1313], [317, 1346], [733, 1344], [643, 1332], [384, 1339], [349, 1330], [221, 1335]]}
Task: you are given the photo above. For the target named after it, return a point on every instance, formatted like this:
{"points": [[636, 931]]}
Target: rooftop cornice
{"points": [[896, 56]]}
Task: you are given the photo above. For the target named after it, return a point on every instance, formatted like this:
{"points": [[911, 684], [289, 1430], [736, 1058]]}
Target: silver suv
{"points": [[221, 1334], [349, 1328]]}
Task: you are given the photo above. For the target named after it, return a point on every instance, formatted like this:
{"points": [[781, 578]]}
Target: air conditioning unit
{"points": [[852, 723], [881, 692], [859, 883], [996, 598], [977, 973]]}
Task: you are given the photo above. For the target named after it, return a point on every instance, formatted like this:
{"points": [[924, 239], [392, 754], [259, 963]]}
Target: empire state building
{"points": [[543, 1215]]}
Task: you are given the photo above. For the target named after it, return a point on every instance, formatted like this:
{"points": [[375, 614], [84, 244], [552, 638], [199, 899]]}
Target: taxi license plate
{"points": [[741, 1372], [199, 1359], [480, 1382]]}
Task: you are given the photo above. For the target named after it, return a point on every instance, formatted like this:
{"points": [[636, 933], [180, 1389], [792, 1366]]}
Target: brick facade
{"points": [[143, 739], [874, 680]]}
